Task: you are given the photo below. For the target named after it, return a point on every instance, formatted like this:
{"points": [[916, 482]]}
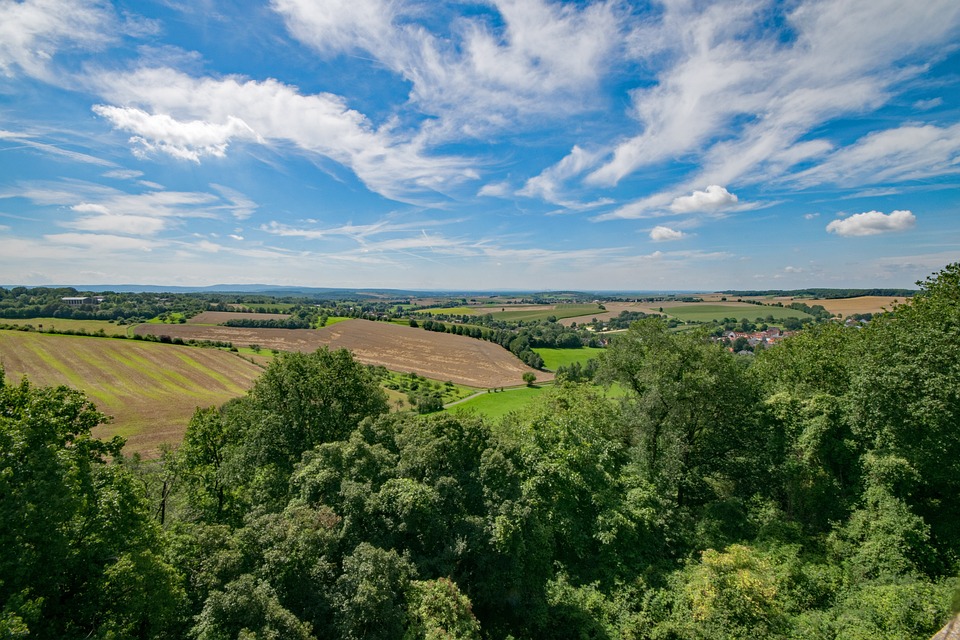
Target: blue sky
{"points": [[479, 145]]}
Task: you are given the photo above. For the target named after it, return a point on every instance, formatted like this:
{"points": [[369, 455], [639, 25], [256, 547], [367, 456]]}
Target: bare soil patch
{"points": [[150, 390], [441, 356], [216, 317]]}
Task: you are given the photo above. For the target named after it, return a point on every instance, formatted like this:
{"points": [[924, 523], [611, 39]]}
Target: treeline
{"points": [[519, 338], [809, 493], [284, 323]]}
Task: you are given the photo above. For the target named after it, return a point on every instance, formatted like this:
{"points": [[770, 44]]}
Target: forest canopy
{"points": [[809, 492]]}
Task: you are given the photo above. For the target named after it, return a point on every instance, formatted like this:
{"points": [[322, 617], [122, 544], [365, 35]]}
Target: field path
{"points": [[440, 356]]}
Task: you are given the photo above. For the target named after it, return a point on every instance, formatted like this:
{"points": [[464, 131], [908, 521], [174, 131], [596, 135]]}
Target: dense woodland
{"points": [[810, 492]]}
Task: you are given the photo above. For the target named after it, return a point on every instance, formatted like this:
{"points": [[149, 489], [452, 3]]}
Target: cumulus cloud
{"points": [[714, 197], [182, 140], [873, 223], [495, 189], [665, 234]]}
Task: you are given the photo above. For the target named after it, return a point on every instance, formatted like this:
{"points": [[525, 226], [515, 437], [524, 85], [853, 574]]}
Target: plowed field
{"points": [[151, 390], [441, 356]]}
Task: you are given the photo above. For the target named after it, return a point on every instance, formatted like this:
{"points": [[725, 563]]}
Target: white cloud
{"points": [[924, 105], [910, 152], [101, 241], [542, 58], [810, 216], [197, 116], [549, 183], [495, 189], [740, 102], [713, 198], [124, 224], [28, 140], [182, 140], [665, 234], [789, 269], [873, 223], [32, 32], [123, 174]]}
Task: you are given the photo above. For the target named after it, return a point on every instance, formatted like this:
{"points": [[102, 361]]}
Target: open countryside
{"points": [[149, 389], [439, 356]]}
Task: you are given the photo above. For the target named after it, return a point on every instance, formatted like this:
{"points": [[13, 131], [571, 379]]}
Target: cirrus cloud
{"points": [[873, 223]]}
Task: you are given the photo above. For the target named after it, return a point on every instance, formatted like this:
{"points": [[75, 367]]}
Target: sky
{"points": [[470, 145]]}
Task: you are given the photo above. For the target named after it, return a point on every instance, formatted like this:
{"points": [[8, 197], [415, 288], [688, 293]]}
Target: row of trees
{"points": [[807, 493]]}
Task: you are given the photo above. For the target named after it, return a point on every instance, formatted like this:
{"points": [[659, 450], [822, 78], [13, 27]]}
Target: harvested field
{"points": [[216, 317], [863, 304], [439, 356], [151, 390]]}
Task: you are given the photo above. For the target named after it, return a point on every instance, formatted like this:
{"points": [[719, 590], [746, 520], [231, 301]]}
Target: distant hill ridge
{"points": [[823, 293]]}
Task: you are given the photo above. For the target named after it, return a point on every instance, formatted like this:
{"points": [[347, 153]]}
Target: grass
{"points": [[331, 320], [65, 324], [700, 312], [559, 311], [453, 311], [554, 358], [398, 385], [496, 405]]}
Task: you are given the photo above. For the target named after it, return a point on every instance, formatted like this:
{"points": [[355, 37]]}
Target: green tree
{"points": [[78, 546], [693, 411]]}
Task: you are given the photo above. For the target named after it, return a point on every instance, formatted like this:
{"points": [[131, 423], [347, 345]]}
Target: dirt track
{"points": [[440, 356]]}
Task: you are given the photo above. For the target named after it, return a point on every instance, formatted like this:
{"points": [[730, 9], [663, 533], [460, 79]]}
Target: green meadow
{"points": [[554, 358], [496, 405]]}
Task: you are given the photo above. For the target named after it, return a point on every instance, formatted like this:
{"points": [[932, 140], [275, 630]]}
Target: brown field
{"points": [[216, 317], [440, 356], [863, 304], [149, 389], [843, 306]]}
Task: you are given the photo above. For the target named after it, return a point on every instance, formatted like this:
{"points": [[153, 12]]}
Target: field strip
{"points": [[225, 382], [151, 390]]}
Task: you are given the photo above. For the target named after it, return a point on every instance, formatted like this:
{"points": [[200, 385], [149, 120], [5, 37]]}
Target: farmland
{"points": [[219, 317], [64, 324], [517, 312], [553, 358], [439, 356], [497, 405], [151, 390], [703, 312]]}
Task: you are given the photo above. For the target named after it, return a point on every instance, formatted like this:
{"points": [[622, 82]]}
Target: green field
{"points": [[331, 320], [453, 311], [64, 324], [497, 405], [717, 312], [554, 358], [559, 312]]}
